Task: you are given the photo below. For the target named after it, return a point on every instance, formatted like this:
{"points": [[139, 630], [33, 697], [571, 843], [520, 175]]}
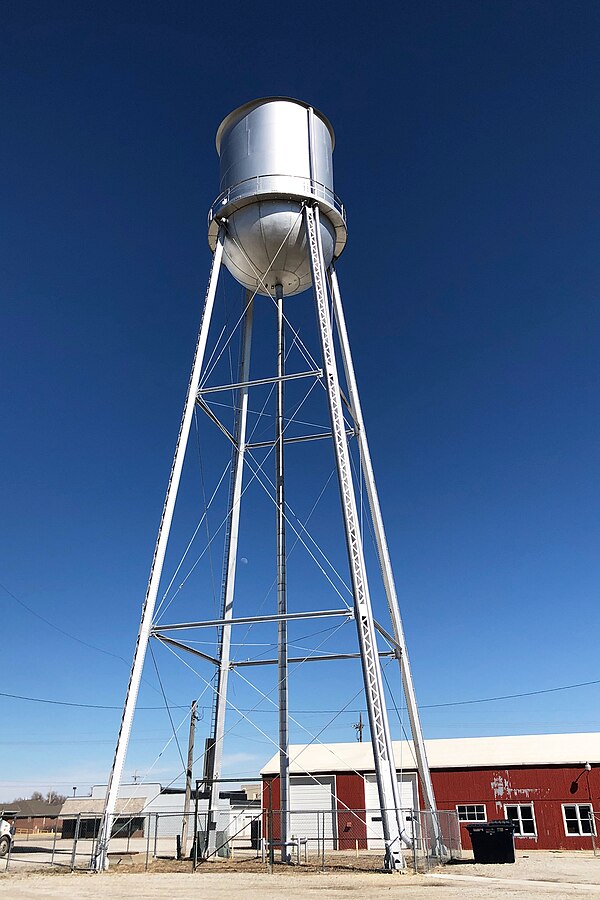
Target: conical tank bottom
{"points": [[266, 245]]}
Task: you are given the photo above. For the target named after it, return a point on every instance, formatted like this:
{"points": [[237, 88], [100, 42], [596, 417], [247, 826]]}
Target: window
{"points": [[579, 818], [521, 815], [471, 812]]}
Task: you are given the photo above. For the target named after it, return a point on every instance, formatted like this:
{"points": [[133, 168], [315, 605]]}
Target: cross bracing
{"points": [[256, 413]]}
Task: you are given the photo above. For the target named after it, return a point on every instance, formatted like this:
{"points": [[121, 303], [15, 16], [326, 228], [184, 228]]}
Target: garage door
{"points": [[312, 808], [408, 795]]}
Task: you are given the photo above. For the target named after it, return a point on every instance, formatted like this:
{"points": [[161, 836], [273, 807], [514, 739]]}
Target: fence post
{"points": [[271, 845], [323, 833], [54, 843], [75, 839], [155, 836], [8, 855], [148, 827], [93, 852], [446, 836], [195, 844], [413, 839], [318, 836]]}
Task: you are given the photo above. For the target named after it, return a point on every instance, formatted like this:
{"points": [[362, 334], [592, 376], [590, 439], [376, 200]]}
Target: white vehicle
{"points": [[6, 837]]}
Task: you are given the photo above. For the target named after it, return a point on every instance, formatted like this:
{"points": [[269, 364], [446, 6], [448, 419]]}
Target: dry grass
{"points": [[338, 862]]}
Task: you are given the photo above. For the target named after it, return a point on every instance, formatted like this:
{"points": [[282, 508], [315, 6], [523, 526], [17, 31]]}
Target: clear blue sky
{"points": [[467, 156]]}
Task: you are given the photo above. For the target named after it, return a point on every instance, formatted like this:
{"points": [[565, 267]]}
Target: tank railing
{"points": [[276, 184]]}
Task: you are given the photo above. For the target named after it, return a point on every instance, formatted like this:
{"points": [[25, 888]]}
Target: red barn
{"points": [[548, 784]]}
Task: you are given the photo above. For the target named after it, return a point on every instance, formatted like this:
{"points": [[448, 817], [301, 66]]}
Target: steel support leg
{"points": [[282, 650], [383, 753], [384, 561], [101, 859], [213, 770]]}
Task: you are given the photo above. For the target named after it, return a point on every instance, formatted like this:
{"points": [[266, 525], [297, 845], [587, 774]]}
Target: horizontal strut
{"points": [[206, 408], [398, 650], [302, 659], [384, 654], [346, 403], [314, 373], [248, 620], [173, 643], [320, 436]]}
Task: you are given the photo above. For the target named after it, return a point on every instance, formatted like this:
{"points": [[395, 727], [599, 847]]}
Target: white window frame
{"points": [[467, 821], [519, 805], [592, 819]]}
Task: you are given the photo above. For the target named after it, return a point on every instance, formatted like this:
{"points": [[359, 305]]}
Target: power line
{"points": [[57, 628], [70, 703], [79, 641], [150, 740], [69, 741], [564, 687], [167, 706]]}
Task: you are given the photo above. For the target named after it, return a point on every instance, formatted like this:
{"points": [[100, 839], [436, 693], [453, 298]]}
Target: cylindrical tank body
{"points": [[275, 155]]}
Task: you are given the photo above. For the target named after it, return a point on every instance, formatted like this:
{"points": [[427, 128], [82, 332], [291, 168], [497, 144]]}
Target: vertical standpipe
{"points": [[215, 758], [282, 649]]}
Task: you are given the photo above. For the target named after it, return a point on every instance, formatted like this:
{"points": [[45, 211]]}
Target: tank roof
{"points": [[241, 111]]}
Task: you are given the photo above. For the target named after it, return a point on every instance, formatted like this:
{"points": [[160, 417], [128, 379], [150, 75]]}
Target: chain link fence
{"points": [[353, 838], [317, 839]]}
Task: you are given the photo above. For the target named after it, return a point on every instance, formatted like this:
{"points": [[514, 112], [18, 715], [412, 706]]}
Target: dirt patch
{"points": [[333, 863], [535, 875], [249, 886]]}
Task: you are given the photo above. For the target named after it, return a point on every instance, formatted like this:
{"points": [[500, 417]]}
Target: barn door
{"points": [[309, 799], [408, 801]]}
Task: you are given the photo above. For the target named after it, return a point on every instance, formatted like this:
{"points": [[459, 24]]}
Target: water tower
{"points": [[279, 228]]}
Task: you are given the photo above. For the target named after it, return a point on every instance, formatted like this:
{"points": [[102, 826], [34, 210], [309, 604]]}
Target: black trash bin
{"points": [[493, 842]]}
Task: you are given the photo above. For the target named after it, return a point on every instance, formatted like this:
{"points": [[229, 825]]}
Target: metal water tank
{"points": [[275, 154]]}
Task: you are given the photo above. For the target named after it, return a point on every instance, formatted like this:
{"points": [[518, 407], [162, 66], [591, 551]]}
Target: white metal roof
{"points": [[74, 806], [448, 753]]}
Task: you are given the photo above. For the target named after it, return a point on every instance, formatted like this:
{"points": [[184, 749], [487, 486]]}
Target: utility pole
{"points": [[359, 726], [188, 779]]}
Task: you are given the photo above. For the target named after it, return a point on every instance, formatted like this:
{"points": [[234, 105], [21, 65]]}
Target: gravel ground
{"points": [[537, 875], [541, 865]]}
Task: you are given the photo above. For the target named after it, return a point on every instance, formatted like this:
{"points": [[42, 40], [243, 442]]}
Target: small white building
{"points": [[140, 807]]}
